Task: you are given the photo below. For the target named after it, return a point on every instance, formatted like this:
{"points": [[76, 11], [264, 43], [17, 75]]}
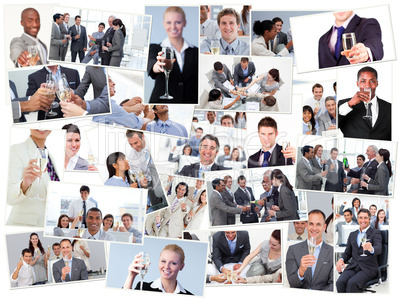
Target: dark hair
{"points": [[274, 73], [276, 234], [195, 118], [228, 11], [334, 149], [108, 216], [127, 215], [122, 26], [276, 19], [187, 146], [199, 197], [24, 251], [260, 27], [56, 16], [130, 134], [241, 177], [377, 222], [212, 138], [182, 183], [334, 85], [71, 128], [269, 100], [306, 149], [353, 201], [316, 148], [244, 60], [367, 69], [237, 116], [65, 239], [31, 248], [364, 211], [317, 85], [227, 116], [76, 17], [231, 156], [103, 24], [361, 156], [317, 211], [84, 188], [218, 66], [267, 122], [199, 128], [94, 209], [385, 154], [278, 174], [59, 221], [244, 11], [112, 159], [373, 205], [348, 211], [214, 94], [215, 182], [226, 146], [312, 120], [55, 244]]}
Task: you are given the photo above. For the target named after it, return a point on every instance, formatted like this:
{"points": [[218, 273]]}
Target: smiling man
{"points": [[316, 102], [79, 205], [163, 124], [229, 23], [94, 223], [327, 120]]}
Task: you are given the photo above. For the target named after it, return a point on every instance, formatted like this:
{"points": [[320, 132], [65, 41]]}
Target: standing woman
{"points": [[244, 29], [384, 172], [381, 220], [116, 48], [183, 78], [287, 204], [194, 218], [240, 120], [356, 206], [39, 259], [82, 251], [318, 165]]}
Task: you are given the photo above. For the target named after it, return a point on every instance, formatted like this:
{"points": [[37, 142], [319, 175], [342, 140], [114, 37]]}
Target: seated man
{"points": [[243, 72], [24, 274], [220, 75], [299, 234], [163, 124], [127, 220], [327, 120], [74, 271]]}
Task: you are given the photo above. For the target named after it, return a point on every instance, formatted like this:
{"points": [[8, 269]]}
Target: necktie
{"points": [[299, 238], [78, 30], [163, 128], [266, 157], [248, 194], [369, 112], [229, 50], [195, 193], [338, 44], [84, 210], [51, 171], [174, 205]]}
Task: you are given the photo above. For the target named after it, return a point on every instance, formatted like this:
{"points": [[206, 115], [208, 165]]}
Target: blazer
{"points": [[20, 44], [95, 76], [108, 37], [82, 164], [80, 43], [353, 124], [380, 182], [317, 169], [116, 49], [78, 270], [305, 176], [15, 104], [183, 84], [287, 205], [228, 199], [173, 223], [221, 254], [147, 286], [367, 31], [370, 170], [38, 77], [239, 75], [323, 274], [242, 198], [193, 169], [219, 209], [352, 252], [220, 78], [276, 159], [56, 42], [64, 32], [324, 121], [335, 179]]}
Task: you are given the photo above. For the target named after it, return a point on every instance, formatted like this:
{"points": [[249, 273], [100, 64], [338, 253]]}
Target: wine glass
{"points": [[215, 46], [367, 117], [168, 54], [144, 266], [349, 40], [133, 177], [41, 155], [81, 232], [103, 44], [32, 54], [363, 240], [248, 206], [66, 263], [285, 144], [311, 242], [362, 178], [91, 158], [51, 94], [63, 91]]}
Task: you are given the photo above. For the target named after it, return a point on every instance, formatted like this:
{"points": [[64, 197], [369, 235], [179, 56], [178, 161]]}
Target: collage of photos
{"points": [[152, 153]]}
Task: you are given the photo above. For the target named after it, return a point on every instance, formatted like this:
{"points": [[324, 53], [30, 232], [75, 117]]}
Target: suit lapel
{"points": [[381, 113], [321, 257]]}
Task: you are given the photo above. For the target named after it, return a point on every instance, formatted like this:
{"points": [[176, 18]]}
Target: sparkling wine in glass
{"points": [[168, 54], [363, 240], [32, 54], [132, 176], [51, 95], [91, 157], [368, 91], [41, 156], [312, 243], [144, 268], [66, 263], [362, 178], [81, 232], [349, 40], [215, 46], [285, 145]]}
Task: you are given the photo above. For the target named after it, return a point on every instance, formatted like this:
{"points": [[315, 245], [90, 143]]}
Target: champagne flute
{"points": [[168, 54], [66, 263], [103, 44], [144, 266], [215, 46], [91, 157], [311, 242], [363, 240], [41, 156], [367, 117], [362, 178], [248, 206], [63, 90], [48, 248], [81, 232], [49, 78], [349, 40], [132, 176], [32, 54], [285, 145], [51, 95]]}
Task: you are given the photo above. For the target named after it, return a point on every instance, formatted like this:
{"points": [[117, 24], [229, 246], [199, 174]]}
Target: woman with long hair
{"points": [[384, 172], [240, 120], [117, 45], [244, 29], [309, 123], [39, 259], [64, 223], [269, 84], [108, 222], [381, 220], [118, 166], [261, 46], [215, 100], [235, 160], [356, 206], [82, 251], [195, 216], [182, 159]]}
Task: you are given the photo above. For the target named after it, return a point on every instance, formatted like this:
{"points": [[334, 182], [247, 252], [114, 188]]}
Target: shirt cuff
{"points": [[88, 106], [298, 275], [370, 55]]}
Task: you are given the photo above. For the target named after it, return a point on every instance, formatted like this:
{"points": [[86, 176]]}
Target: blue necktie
{"points": [[338, 44], [163, 128], [229, 50], [266, 157]]}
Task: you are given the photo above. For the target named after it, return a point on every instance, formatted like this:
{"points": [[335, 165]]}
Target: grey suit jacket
{"points": [[228, 199], [380, 182], [116, 49], [220, 78], [19, 45], [78, 270], [324, 121], [64, 32], [95, 76], [287, 205], [81, 164], [317, 169], [56, 42], [219, 209], [305, 176], [238, 74], [323, 274]]}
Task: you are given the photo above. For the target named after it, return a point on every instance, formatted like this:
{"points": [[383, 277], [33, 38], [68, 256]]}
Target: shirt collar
{"points": [[167, 43], [168, 122], [234, 44], [364, 230], [157, 284], [234, 240], [207, 167], [58, 69], [206, 23], [279, 188], [32, 38]]}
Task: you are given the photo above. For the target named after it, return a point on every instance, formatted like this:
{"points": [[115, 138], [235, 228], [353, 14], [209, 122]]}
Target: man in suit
{"points": [[93, 52], [229, 249], [270, 154], [336, 177], [316, 102], [226, 156], [360, 268], [57, 40], [327, 120], [281, 38], [244, 196], [311, 271], [355, 182], [38, 77], [30, 20], [74, 271], [369, 47], [64, 31], [220, 75], [347, 214], [269, 197], [299, 234], [209, 148], [194, 141], [95, 76], [365, 115], [78, 39], [305, 174], [218, 207], [228, 198], [107, 38], [243, 72]]}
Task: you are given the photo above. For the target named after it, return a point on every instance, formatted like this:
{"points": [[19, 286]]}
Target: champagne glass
{"points": [[48, 248], [144, 266], [215, 46], [285, 144], [362, 178], [51, 95], [91, 157], [103, 44], [168, 54], [41, 156], [63, 92], [81, 232], [310, 127], [49, 78], [349, 40], [66, 263], [32, 54], [367, 117], [132, 176], [311, 242], [363, 240], [248, 206]]}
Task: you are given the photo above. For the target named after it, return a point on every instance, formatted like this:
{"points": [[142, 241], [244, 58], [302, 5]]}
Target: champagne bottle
{"points": [[345, 161]]}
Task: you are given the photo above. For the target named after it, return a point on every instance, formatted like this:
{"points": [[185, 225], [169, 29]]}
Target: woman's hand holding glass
{"points": [[159, 65]]}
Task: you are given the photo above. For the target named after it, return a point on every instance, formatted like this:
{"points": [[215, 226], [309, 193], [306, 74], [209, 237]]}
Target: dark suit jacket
{"points": [[80, 43], [367, 264], [371, 170], [78, 270], [367, 31], [379, 185], [108, 37], [317, 169], [335, 179], [193, 169], [221, 253], [228, 199], [147, 286], [15, 107], [353, 124], [287, 205], [37, 78], [183, 86], [242, 199], [276, 159], [95, 76], [323, 274], [239, 76]]}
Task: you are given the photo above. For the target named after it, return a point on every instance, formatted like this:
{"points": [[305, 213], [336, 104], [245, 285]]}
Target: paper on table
{"points": [[252, 106], [254, 88], [227, 85], [227, 101]]}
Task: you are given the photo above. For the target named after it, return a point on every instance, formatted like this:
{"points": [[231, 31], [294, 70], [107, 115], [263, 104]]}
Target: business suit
{"points": [[366, 30], [269, 202], [116, 49], [56, 43], [380, 182], [78, 270], [238, 74], [220, 78], [108, 37], [20, 44], [221, 254], [324, 121], [315, 165], [81, 164], [78, 45], [193, 169], [353, 124], [219, 209], [335, 178], [339, 229], [243, 199], [38, 77], [306, 176], [228, 199], [287, 204], [15, 104], [360, 269], [183, 85], [95, 76], [276, 159], [64, 47], [323, 274], [172, 223], [370, 168]]}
